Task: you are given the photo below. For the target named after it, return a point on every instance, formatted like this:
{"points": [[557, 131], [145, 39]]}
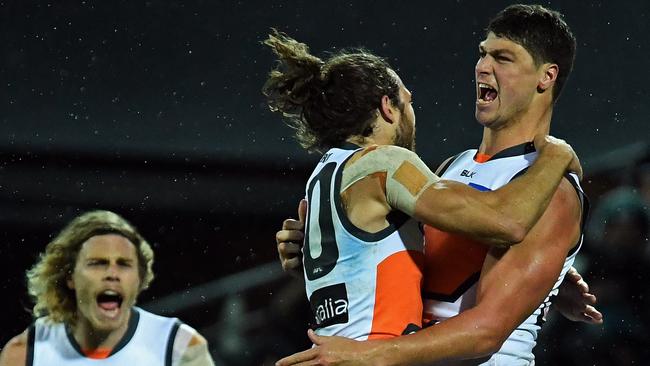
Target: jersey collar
{"points": [[521, 149]]}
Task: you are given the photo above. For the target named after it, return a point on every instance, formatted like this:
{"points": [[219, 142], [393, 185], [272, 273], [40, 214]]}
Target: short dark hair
{"points": [[327, 102], [542, 32]]}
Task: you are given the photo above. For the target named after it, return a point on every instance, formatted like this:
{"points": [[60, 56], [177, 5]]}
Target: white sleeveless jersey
{"points": [[360, 285], [148, 342], [453, 263]]}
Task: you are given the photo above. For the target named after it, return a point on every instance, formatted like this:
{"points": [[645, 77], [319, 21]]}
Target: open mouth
{"points": [[110, 302], [486, 93]]}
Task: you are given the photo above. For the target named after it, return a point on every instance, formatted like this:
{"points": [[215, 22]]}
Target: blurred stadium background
{"points": [[153, 109]]}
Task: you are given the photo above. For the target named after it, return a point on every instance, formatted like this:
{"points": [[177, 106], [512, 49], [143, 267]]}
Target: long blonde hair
{"points": [[47, 279]]}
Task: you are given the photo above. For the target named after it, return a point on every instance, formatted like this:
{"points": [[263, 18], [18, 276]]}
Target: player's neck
{"points": [[365, 141], [383, 134], [515, 132], [89, 338]]}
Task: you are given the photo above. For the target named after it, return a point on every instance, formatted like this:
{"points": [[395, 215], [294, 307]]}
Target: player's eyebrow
{"points": [[496, 51]]}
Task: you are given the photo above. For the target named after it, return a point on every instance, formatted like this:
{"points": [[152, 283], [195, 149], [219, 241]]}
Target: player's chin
{"points": [[484, 118], [108, 321]]}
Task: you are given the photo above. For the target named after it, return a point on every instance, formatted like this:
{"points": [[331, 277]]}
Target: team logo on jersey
{"points": [[467, 173], [329, 305]]}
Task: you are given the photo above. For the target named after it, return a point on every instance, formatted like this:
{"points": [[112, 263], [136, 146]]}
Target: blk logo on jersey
{"points": [[329, 305], [467, 173]]}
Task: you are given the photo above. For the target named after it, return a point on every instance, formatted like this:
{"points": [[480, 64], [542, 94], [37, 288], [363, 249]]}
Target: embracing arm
{"points": [[518, 281], [503, 216], [289, 242], [575, 302], [15, 351]]}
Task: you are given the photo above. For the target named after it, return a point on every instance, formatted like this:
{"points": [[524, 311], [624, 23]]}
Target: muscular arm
{"points": [[518, 282], [520, 278], [15, 351], [501, 217]]}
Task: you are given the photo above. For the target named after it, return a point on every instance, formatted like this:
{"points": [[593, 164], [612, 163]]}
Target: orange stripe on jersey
{"points": [[97, 354], [481, 158], [398, 302], [451, 262]]}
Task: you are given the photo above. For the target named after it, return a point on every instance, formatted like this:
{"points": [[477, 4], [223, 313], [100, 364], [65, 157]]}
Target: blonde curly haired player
{"points": [[85, 286]]}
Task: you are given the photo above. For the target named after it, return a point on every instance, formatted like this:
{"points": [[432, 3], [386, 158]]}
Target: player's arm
{"points": [[503, 216], [510, 289], [190, 348], [289, 242], [575, 302], [514, 282], [500, 217], [15, 351]]}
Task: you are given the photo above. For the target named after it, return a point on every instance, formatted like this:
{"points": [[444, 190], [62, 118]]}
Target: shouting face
{"points": [[106, 282], [506, 82]]}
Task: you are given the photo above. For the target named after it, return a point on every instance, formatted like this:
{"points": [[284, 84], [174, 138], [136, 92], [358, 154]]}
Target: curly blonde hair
{"points": [[47, 279]]}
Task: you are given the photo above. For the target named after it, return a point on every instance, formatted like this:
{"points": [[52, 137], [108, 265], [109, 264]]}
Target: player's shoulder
{"points": [[191, 348], [566, 194], [565, 209], [15, 351], [386, 153], [391, 149], [194, 337], [380, 158], [18, 341]]}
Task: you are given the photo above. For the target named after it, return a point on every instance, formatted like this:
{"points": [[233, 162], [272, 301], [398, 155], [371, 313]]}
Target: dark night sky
{"points": [[183, 78]]}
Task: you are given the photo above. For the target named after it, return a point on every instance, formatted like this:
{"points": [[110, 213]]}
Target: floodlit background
{"points": [[153, 110]]}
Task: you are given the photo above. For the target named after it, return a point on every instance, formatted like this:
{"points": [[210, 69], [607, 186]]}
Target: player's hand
{"points": [[333, 351], [550, 144], [574, 300], [289, 241]]}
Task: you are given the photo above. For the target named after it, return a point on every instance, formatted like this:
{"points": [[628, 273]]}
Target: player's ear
{"points": [[547, 79], [387, 109]]}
